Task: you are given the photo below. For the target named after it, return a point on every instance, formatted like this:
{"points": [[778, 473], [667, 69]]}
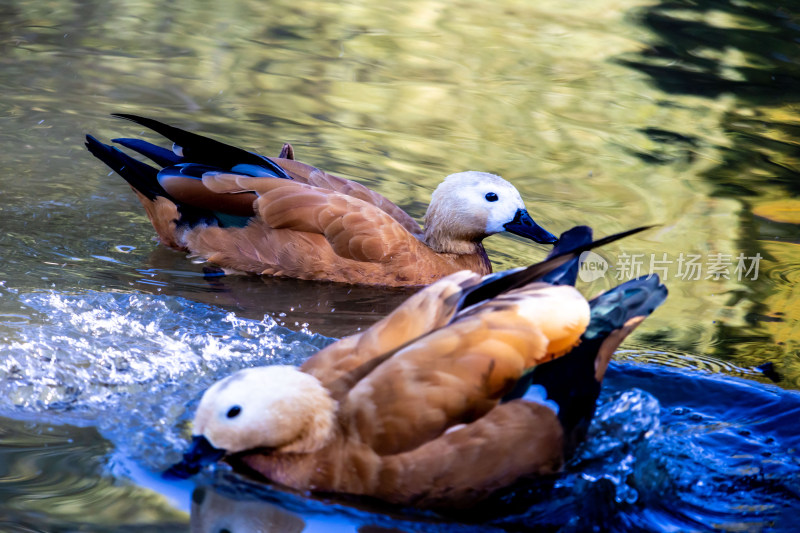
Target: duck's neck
{"points": [[445, 244], [320, 426], [447, 234], [317, 438], [464, 254]]}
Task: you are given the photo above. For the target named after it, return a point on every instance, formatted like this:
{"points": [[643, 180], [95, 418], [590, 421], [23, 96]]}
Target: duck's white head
{"points": [[468, 206], [276, 407]]}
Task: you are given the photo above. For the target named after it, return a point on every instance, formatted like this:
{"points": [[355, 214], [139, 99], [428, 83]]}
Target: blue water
{"points": [[613, 114], [669, 450]]}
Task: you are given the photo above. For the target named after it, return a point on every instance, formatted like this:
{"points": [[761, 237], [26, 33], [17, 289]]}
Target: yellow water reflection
{"points": [[612, 113], [398, 96]]}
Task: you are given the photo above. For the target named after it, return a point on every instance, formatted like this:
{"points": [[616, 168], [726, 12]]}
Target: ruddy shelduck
{"points": [[277, 216], [469, 386]]}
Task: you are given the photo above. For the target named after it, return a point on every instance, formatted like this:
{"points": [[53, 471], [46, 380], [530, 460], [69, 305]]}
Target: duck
{"points": [[471, 385], [277, 216]]}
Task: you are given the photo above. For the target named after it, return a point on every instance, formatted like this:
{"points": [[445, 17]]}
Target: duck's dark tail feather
{"points": [[199, 149], [160, 156], [573, 381], [144, 179], [565, 257], [140, 176], [567, 274]]}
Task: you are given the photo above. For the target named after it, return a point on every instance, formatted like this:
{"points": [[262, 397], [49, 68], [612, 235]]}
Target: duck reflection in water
{"points": [[213, 512], [326, 308]]}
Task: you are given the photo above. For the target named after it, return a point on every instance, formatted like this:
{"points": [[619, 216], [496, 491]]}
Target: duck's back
{"points": [[319, 178], [310, 232]]}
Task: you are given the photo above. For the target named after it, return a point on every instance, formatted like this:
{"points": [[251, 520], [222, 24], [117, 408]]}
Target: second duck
{"points": [[277, 216]]}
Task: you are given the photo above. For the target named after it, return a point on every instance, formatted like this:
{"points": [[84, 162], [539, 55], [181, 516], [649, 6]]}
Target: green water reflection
{"points": [[53, 478], [612, 114]]}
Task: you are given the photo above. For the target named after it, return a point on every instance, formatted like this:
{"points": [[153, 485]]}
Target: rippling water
{"points": [[653, 462], [612, 114], [132, 363], [668, 449]]}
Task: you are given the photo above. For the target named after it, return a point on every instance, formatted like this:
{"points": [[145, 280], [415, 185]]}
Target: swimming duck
{"points": [[470, 385], [277, 216]]}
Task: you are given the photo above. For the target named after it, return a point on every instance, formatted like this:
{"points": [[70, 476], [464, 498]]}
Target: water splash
{"points": [[131, 364], [668, 450]]}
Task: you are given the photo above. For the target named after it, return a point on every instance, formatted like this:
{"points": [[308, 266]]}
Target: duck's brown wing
{"points": [[457, 374], [313, 176], [354, 228], [462, 466], [343, 363], [221, 182]]}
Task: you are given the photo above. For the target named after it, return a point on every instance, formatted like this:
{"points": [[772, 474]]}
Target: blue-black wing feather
{"points": [[570, 381], [159, 155], [199, 149], [566, 256], [567, 274], [144, 179]]}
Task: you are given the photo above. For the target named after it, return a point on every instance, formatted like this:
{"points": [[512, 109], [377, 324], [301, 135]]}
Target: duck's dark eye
{"points": [[234, 411], [491, 197]]}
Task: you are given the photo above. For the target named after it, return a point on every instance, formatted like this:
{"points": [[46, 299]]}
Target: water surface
{"points": [[613, 114]]}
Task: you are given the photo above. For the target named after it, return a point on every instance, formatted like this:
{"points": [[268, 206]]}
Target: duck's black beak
{"points": [[199, 454], [524, 226]]}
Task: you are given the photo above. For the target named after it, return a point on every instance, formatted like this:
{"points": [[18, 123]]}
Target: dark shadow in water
{"points": [[330, 309], [688, 59], [748, 50], [677, 63]]}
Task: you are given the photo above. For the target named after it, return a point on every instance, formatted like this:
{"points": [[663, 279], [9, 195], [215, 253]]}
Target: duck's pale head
{"points": [[469, 206], [273, 407]]}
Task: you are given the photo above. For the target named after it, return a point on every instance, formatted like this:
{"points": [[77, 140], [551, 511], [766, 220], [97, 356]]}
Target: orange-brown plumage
{"points": [[422, 313], [453, 376], [281, 217], [434, 391], [470, 385], [517, 439], [307, 174], [162, 214]]}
